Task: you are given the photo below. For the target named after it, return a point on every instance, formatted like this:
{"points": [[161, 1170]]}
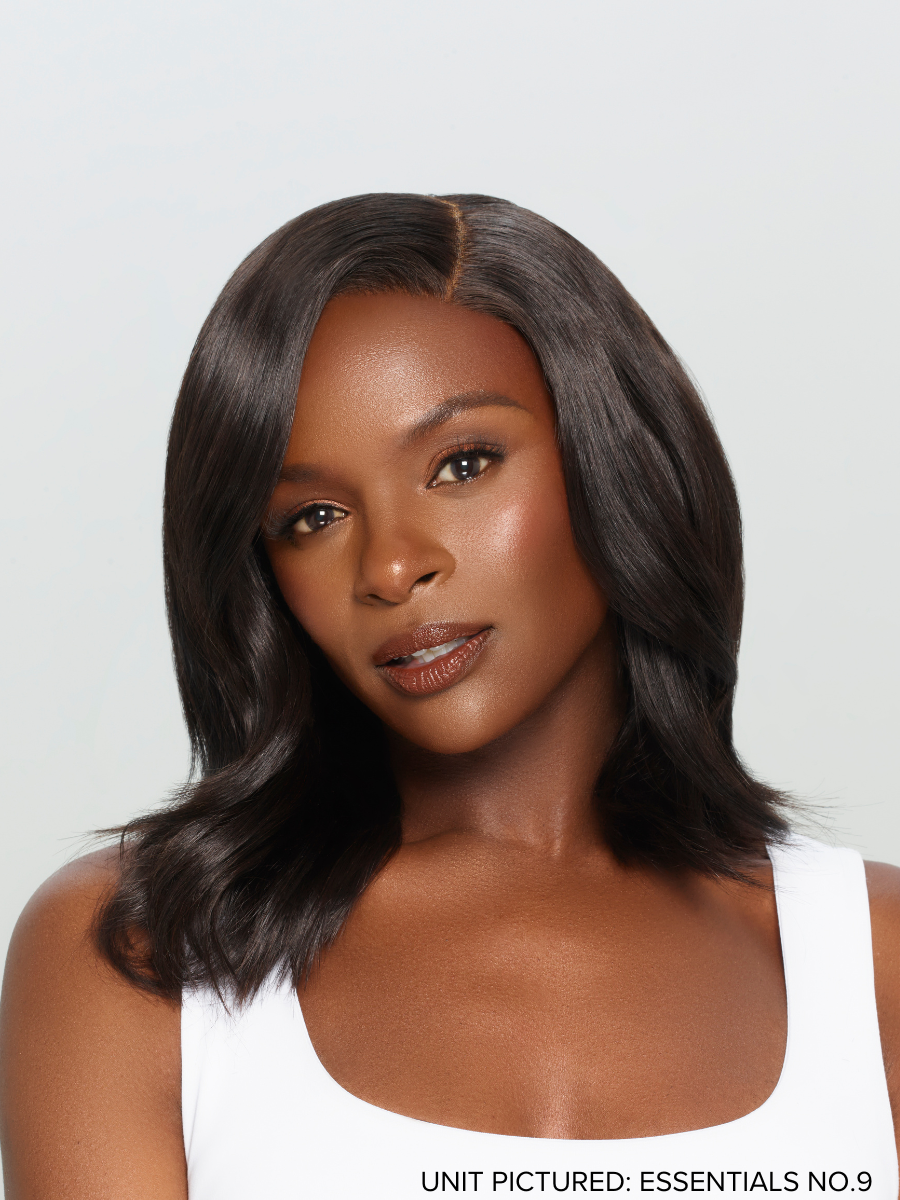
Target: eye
{"points": [[462, 467], [316, 517]]}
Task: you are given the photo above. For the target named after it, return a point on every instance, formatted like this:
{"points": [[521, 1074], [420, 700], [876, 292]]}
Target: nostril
{"points": [[425, 578]]}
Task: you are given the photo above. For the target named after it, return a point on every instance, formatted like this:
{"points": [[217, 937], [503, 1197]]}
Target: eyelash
{"points": [[286, 526], [467, 450]]}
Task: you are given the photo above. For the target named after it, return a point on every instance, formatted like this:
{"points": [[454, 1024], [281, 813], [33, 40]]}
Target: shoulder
{"points": [[52, 956], [65, 899], [52, 943], [90, 1084], [883, 882]]}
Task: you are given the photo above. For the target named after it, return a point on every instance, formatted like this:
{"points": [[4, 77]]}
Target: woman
{"points": [[471, 891]]}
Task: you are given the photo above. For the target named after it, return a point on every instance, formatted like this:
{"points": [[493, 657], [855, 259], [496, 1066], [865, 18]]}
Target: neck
{"points": [[534, 786]]}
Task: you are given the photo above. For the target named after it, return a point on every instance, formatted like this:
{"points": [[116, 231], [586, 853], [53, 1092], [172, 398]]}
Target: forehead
{"points": [[384, 360]]}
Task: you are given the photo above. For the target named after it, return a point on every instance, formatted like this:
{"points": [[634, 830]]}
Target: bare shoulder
{"points": [[90, 1083], [68, 895], [883, 881], [52, 959]]}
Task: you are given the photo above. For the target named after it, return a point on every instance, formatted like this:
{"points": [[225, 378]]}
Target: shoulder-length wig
{"points": [[290, 812]]}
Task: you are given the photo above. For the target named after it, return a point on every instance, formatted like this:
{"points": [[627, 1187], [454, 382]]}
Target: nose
{"points": [[398, 561]]}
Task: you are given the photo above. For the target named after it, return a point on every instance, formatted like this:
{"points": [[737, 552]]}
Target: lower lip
{"points": [[441, 673]]}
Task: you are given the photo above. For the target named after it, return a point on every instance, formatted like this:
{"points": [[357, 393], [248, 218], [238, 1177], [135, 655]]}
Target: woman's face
{"points": [[420, 532]]}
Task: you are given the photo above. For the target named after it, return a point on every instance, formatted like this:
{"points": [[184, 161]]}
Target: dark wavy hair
{"points": [[289, 813]]}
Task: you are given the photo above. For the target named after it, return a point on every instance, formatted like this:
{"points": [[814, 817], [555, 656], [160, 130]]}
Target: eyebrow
{"points": [[454, 407], [299, 473], [433, 419]]}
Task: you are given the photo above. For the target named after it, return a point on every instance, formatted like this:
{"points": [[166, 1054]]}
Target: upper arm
{"points": [[90, 1078], [884, 904]]}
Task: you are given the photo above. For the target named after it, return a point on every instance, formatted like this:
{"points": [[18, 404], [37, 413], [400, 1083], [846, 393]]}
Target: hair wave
{"points": [[291, 808]]}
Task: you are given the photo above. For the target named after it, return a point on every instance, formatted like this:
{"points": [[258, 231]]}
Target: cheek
{"points": [[527, 546], [311, 596], [539, 590]]}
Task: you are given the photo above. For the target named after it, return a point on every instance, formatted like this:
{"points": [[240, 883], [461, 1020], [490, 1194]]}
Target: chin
{"points": [[448, 741], [464, 730]]}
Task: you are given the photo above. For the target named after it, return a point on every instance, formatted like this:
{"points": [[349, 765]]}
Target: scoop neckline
{"points": [[755, 1114]]}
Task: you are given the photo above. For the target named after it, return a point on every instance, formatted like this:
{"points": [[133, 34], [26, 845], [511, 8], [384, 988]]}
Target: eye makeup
{"points": [[470, 453], [467, 461]]}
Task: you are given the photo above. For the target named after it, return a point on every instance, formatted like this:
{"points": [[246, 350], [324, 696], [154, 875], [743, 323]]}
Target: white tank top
{"points": [[263, 1119]]}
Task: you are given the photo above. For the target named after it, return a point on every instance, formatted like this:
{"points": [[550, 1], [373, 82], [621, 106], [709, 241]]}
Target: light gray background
{"points": [[734, 162]]}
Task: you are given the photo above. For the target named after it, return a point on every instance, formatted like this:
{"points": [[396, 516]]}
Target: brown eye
{"points": [[318, 516], [462, 467]]}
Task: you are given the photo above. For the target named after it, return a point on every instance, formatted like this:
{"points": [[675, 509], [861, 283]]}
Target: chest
{"points": [[560, 1012]]}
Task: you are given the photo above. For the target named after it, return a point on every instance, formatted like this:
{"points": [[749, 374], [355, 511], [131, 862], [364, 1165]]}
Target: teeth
{"points": [[432, 652]]}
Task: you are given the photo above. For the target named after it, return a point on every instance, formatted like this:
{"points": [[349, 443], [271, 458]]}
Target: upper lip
{"points": [[422, 638]]}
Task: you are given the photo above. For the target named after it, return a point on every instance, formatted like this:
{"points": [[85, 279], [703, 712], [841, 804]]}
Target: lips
{"points": [[431, 658]]}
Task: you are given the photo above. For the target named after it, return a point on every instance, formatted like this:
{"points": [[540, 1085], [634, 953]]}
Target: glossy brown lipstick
{"points": [[432, 657]]}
